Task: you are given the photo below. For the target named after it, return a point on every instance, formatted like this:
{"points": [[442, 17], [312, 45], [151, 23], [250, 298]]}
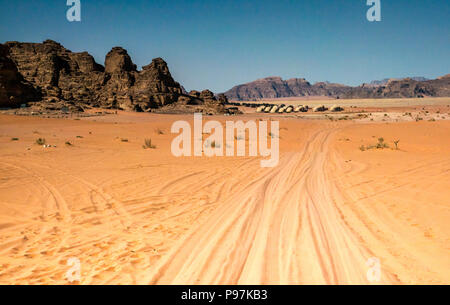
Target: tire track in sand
{"points": [[285, 228]]}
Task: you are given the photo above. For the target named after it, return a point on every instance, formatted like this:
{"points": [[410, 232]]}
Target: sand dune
{"points": [[135, 216]]}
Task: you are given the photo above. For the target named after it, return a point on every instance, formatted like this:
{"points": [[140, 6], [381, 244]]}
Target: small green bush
{"points": [[41, 141], [381, 144]]}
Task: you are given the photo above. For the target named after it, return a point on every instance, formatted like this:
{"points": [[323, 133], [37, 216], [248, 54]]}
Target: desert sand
{"points": [[141, 216]]}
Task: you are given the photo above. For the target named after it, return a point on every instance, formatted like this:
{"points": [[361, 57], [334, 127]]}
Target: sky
{"points": [[217, 44]]}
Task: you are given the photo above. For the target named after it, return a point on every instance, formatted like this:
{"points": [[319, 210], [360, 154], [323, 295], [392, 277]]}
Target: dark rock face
{"points": [[14, 90], [154, 86], [275, 87], [61, 78], [118, 60], [412, 88], [198, 102], [57, 73], [222, 98]]}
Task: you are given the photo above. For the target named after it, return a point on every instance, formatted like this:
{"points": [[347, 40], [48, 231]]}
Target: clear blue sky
{"points": [[217, 44]]}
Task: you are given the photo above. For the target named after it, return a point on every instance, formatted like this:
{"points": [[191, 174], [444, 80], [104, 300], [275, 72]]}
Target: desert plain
{"points": [[337, 200]]}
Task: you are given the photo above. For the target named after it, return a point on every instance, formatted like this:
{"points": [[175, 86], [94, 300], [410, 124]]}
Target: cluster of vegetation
{"points": [[41, 141], [214, 144], [381, 144], [148, 144], [272, 135]]}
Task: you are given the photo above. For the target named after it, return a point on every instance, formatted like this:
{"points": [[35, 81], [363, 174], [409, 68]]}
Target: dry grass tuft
{"points": [[148, 144]]}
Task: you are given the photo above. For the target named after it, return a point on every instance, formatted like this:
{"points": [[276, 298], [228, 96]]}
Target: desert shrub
{"points": [[14, 139], [214, 144], [40, 141], [396, 144], [79, 137], [159, 131], [68, 143], [124, 140], [381, 144], [148, 144]]}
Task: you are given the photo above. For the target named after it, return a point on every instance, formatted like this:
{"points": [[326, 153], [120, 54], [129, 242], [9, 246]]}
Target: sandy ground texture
{"points": [[141, 216]]}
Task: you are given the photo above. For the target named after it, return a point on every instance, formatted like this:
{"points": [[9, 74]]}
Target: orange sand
{"points": [[135, 216]]}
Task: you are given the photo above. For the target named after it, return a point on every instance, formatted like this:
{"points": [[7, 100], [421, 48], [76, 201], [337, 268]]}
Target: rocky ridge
{"points": [[53, 77], [276, 87]]}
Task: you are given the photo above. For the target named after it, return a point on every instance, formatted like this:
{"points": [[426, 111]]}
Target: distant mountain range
{"points": [[386, 80], [275, 87]]}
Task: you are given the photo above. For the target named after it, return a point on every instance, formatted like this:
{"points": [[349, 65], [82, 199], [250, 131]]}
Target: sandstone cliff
{"points": [[56, 77], [14, 90]]}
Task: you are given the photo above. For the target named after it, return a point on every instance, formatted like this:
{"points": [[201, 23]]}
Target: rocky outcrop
{"points": [[118, 61], [57, 73], [61, 78], [198, 102], [14, 90], [275, 87], [155, 87]]}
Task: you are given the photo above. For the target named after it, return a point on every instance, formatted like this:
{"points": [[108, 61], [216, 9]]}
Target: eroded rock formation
{"points": [[14, 90], [58, 77]]}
